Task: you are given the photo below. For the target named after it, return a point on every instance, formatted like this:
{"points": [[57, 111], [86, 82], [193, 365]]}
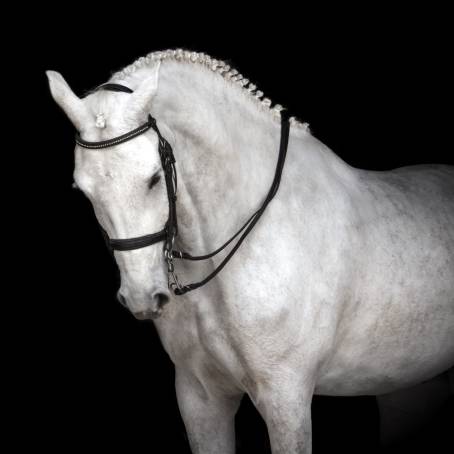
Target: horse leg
{"points": [[209, 417], [286, 409]]}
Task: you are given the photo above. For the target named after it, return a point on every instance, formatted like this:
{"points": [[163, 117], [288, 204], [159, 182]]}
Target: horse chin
{"points": [[157, 313], [153, 308], [148, 314]]}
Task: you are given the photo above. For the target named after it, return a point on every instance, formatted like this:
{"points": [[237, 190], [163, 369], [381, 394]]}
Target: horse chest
{"points": [[198, 338]]}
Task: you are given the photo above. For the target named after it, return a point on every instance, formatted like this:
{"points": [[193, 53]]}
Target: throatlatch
{"points": [[170, 230]]}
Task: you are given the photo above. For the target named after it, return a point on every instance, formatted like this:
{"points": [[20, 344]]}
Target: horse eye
{"points": [[153, 180]]}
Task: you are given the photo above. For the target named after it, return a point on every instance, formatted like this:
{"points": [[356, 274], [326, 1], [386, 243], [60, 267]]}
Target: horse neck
{"points": [[226, 147]]}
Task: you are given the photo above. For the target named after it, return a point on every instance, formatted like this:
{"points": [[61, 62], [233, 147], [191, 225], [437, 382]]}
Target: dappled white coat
{"points": [[344, 287]]}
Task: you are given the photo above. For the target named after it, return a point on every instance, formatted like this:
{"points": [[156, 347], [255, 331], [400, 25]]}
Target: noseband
{"points": [[170, 230]]}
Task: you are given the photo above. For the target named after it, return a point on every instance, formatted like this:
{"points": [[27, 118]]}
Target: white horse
{"points": [[344, 287]]}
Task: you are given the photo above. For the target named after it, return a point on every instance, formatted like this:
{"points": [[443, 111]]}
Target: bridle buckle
{"points": [[172, 278]]}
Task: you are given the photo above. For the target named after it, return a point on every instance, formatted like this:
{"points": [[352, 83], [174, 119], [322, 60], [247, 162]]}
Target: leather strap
{"points": [[114, 87], [129, 244]]}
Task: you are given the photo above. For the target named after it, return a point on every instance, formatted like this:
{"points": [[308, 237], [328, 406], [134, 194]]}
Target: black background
{"points": [[378, 93]]}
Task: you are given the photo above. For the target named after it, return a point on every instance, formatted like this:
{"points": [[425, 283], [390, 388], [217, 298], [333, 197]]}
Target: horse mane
{"points": [[220, 67]]}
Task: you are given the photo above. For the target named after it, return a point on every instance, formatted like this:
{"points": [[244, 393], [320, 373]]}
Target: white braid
{"points": [[218, 66]]}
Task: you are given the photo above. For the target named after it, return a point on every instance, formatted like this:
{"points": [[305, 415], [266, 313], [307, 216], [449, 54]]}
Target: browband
{"points": [[151, 122]]}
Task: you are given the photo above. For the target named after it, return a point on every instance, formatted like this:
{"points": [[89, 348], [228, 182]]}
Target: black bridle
{"points": [[170, 230]]}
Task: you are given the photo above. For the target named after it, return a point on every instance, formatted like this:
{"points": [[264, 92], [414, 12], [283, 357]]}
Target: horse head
{"points": [[125, 182]]}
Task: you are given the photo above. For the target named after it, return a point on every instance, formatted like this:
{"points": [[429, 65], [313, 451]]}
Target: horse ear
{"points": [[144, 93], [63, 95]]}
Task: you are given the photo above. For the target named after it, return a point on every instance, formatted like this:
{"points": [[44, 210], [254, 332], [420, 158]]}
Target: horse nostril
{"points": [[121, 299], [161, 299]]}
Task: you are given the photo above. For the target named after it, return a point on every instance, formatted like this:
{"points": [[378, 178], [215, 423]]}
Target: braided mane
{"points": [[217, 66]]}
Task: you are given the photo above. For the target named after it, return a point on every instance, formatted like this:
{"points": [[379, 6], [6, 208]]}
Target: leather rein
{"points": [[170, 230]]}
